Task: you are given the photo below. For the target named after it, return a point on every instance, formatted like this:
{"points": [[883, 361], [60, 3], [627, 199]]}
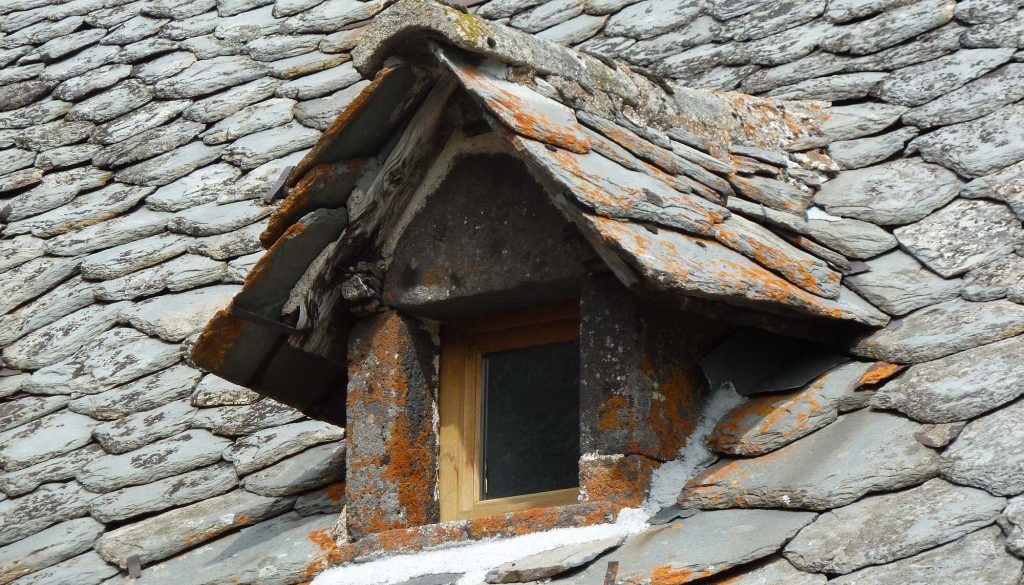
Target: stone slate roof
{"points": [[137, 140]]}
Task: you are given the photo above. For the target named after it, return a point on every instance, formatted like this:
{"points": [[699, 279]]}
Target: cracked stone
{"points": [[575, 30], [114, 232], [168, 457], [552, 562], [899, 284], [27, 409], [832, 88], [33, 278], [276, 47], [82, 85], [268, 446], [212, 219], [320, 84], [1006, 185], [890, 28], [859, 453], [88, 209], [306, 64], [989, 453], [163, 67], [55, 190], [72, 295], [963, 235], [851, 122], [255, 149], [320, 113], [884, 528], [1012, 523]]}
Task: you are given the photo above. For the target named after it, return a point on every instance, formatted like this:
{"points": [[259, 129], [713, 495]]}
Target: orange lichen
{"points": [[622, 480], [880, 372], [669, 575], [217, 339]]}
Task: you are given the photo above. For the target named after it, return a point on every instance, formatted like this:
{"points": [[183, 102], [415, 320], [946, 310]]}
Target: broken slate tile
{"points": [[62, 338], [899, 284], [85, 569], [859, 453], [208, 76], [159, 537], [989, 453], [211, 219], [222, 105], [978, 147], [47, 548], [46, 506], [286, 545], [774, 572], [862, 152], [27, 409], [142, 428], [255, 118], [176, 316], [255, 149], [699, 546], [223, 246], [940, 435], [847, 86], [306, 64], [43, 438], [171, 492], [991, 281], [918, 84], [551, 562], [308, 470], [963, 235], [209, 47], [216, 391], [169, 166], [67, 376], [893, 193], [268, 446], [881, 529], [766, 423], [941, 330], [958, 387], [254, 184], [236, 421], [153, 391], [127, 258], [168, 457], [979, 557], [57, 468]]}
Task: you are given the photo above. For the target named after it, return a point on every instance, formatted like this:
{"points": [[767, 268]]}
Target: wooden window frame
{"points": [[463, 346]]}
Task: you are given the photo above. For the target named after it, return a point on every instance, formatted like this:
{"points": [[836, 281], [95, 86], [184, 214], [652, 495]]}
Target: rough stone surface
{"points": [[268, 446], [1012, 522], [244, 420], [170, 492], [862, 152], [310, 469], [992, 281], [58, 468], [48, 505], [85, 569], [44, 438], [49, 547], [960, 386], [899, 284], [216, 391], [851, 237], [978, 98], [882, 529], [941, 330], [922, 83], [552, 562], [175, 317], [142, 428], [989, 453], [978, 147], [866, 452]]}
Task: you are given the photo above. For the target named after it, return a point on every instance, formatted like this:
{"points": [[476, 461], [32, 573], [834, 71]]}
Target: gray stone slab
{"points": [[170, 166], [268, 446], [235, 421], [305, 64], [991, 281], [885, 528], [10, 385], [210, 47], [172, 492], [44, 438], [133, 123], [228, 245], [239, 268], [320, 84], [85, 569], [892, 193], [63, 300], [46, 506], [978, 147], [840, 87], [1004, 34], [1006, 185], [159, 537], [547, 15], [65, 156], [176, 316], [233, 7], [1012, 523], [19, 250], [273, 552], [851, 122], [208, 76], [276, 47], [90, 82], [148, 144], [984, 11], [960, 386], [142, 428], [575, 30], [899, 284], [55, 190], [332, 16], [775, 571], [328, 500], [62, 338], [978, 98], [890, 28], [346, 40], [88, 209], [314, 468], [216, 391], [176, 455], [862, 152], [320, 113], [185, 272], [859, 453], [37, 113], [976, 559], [963, 235], [27, 409], [989, 453], [766, 423], [153, 391], [33, 278], [19, 179], [255, 118], [851, 237], [12, 159], [200, 186], [120, 230], [53, 134], [56, 468], [164, 66], [222, 105], [254, 184], [918, 84], [552, 562], [47, 548], [699, 546], [82, 62], [127, 258], [941, 330]]}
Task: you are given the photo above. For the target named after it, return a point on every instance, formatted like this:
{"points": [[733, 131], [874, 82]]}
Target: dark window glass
{"points": [[531, 420]]}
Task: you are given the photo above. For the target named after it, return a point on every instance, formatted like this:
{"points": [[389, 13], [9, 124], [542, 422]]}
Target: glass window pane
{"points": [[531, 429]]}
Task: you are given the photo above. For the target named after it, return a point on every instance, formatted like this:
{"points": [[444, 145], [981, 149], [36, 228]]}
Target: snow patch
{"points": [[475, 559]]}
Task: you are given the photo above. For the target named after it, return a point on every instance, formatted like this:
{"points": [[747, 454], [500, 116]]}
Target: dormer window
{"points": [[509, 409]]}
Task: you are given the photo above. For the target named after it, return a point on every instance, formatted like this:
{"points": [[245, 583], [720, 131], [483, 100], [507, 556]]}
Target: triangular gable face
{"points": [[684, 217]]}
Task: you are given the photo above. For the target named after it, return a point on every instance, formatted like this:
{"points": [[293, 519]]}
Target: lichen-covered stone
{"points": [[866, 451], [1006, 185], [310, 469], [899, 284], [142, 428], [918, 84], [155, 390], [46, 506], [175, 317], [893, 193], [882, 529], [244, 420], [56, 468], [171, 492], [63, 337], [992, 281], [27, 409], [890, 27], [49, 547], [268, 446], [976, 99], [209, 75], [978, 147], [989, 453]]}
